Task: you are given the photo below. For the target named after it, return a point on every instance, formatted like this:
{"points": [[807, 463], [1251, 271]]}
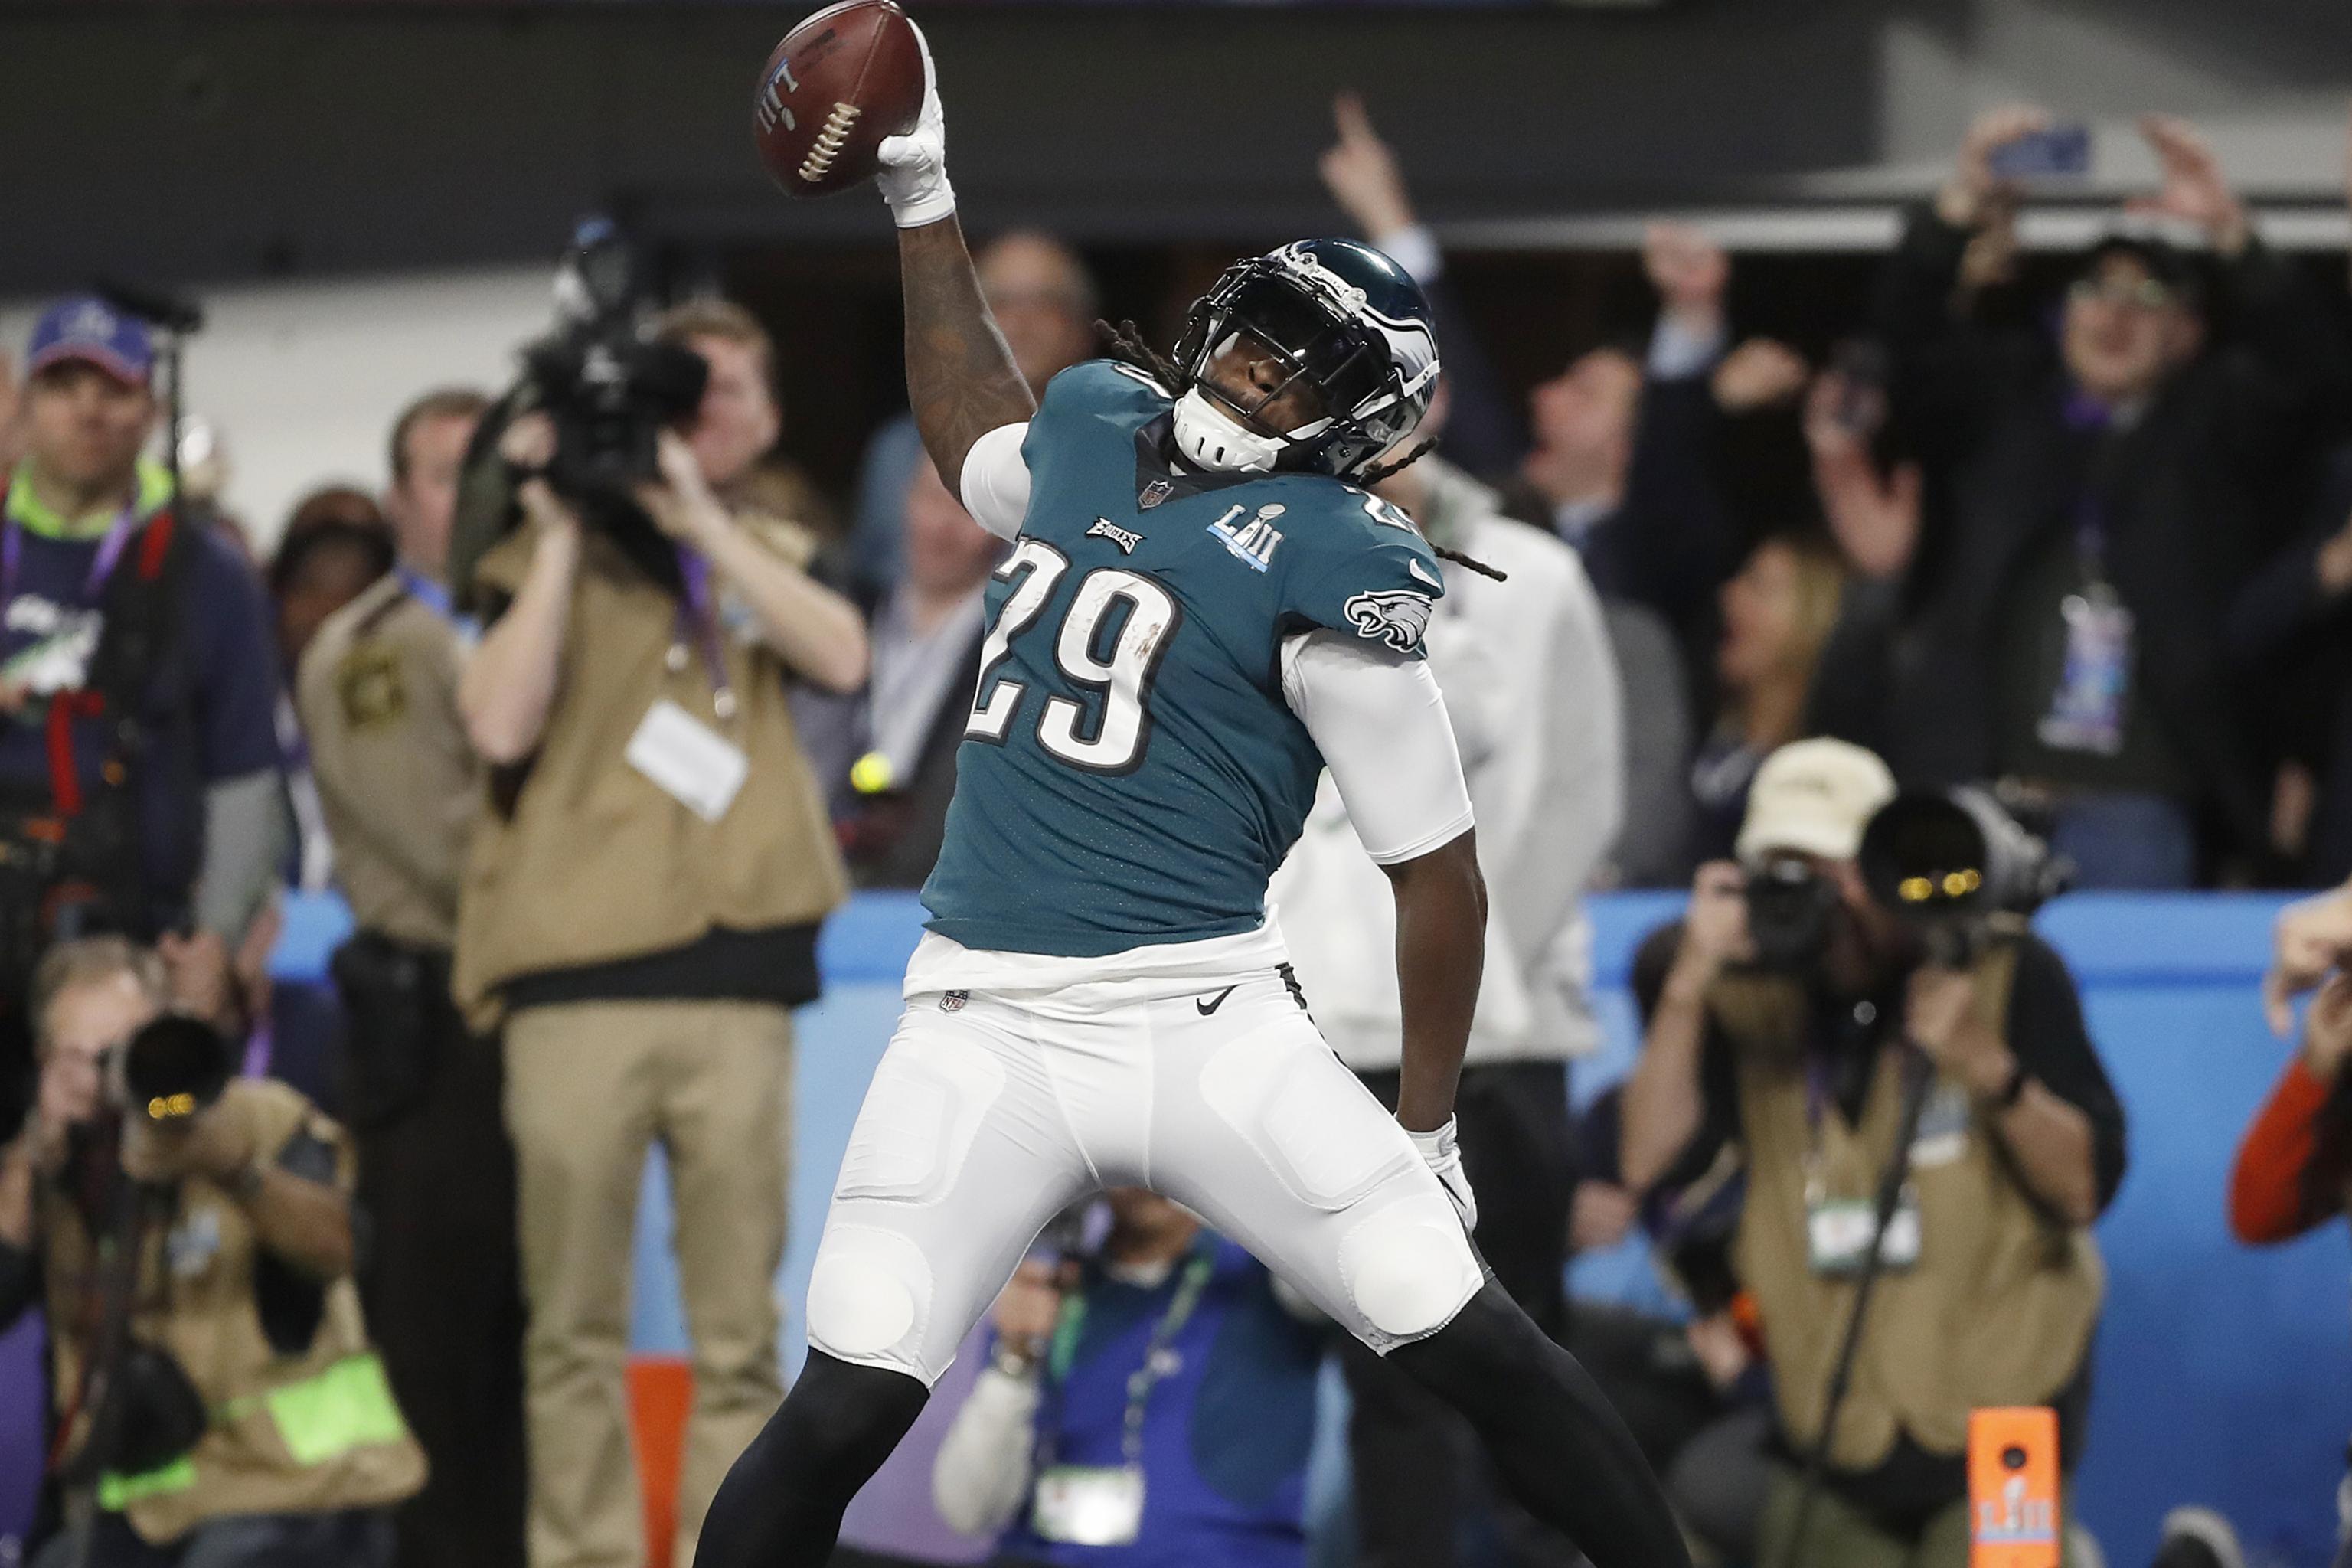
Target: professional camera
{"points": [[608, 386], [1789, 910], [173, 1068], [1951, 864], [1954, 867]]}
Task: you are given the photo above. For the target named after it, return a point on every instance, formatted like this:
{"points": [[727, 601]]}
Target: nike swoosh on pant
{"points": [[1208, 1007]]}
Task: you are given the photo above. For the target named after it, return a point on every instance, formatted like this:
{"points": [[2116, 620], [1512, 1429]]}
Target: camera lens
{"points": [[2013, 1457]]}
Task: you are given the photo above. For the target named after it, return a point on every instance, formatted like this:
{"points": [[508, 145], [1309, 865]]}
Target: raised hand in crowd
{"points": [[1968, 196], [1874, 517], [1361, 174], [2194, 191], [1690, 272], [2310, 944], [1762, 372]]}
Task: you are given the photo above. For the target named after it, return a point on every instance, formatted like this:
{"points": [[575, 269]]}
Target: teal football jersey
{"points": [[1131, 774]]}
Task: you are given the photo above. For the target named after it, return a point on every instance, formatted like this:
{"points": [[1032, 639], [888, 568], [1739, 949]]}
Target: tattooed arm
{"points": [[959, 375]]}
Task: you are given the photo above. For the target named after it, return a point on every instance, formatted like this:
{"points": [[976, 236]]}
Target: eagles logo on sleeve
{"points": [[1396, 616]]}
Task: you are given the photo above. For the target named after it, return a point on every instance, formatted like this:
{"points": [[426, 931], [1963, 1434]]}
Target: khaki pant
{"points": [[1838, 1536], [589, 1086]]}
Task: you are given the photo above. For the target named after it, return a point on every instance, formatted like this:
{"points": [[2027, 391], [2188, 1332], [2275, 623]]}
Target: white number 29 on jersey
{"points": [[1143, 614]]}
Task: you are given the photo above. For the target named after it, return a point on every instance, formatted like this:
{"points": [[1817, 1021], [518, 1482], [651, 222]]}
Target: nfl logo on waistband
{"points": [[953, 1001]]}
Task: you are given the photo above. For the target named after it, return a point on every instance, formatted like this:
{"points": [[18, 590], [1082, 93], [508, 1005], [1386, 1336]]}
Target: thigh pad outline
{"points": [[1303, 1114], [922, 1112]]}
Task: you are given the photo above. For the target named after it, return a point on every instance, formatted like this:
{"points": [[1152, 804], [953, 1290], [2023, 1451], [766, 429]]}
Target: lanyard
{"points": [[101, 567], [1158, 1362], [697, 624]]}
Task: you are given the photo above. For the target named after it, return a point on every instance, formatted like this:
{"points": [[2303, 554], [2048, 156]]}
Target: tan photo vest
{"points": [[1999, 1307]]}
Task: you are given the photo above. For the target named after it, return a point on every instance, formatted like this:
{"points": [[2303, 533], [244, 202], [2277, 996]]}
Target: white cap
{"points": [[1814, 797]]}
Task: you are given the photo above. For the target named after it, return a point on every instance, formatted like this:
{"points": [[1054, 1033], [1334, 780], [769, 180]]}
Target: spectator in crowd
{"points": [[196, 1269], [1532, 691], [400, 787], [1149, 1407], [429, 440], [639, 908], [2294, 1168], [2290, 635], [335, 544], [1620, 463], [2099, 506], [1779, 610], [887, 755], [1044, 300], [1482, 433], [1808, 1067], [138, 760]]}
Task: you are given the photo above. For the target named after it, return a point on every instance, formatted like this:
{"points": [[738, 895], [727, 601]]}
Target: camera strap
{"points": [[698, 626], [1919, 1077]]}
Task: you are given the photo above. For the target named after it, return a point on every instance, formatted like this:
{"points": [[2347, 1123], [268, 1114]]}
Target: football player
{"points": [[1202, 609]]}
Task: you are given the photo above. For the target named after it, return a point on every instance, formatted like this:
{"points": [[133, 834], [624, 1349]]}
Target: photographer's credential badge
{"points": [[693, 764]]}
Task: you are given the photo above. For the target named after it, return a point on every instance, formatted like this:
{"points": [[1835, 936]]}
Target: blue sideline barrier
{"points": [[2224, 1375]]}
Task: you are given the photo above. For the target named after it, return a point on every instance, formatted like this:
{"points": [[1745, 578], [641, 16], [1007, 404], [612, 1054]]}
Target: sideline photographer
{"points": [[193, 1235], [641, 900], [1797, 1014], [140, 789]]}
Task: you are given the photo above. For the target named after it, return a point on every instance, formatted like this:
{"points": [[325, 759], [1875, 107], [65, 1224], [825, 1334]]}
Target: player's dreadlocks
{"points": [[1125, 344]]}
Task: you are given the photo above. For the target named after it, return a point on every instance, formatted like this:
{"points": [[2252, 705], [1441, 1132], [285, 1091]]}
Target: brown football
{"points": [[839, 83]]}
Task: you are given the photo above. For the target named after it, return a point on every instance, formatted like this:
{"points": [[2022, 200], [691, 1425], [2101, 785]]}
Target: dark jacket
{"points": [[2187, 494], [1668, 545]]}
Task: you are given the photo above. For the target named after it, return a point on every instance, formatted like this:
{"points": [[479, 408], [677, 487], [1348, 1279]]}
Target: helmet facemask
{"points": [[1313, 326]]}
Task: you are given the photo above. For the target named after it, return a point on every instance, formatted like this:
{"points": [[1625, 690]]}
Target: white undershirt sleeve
{"points": [[1379, 722], [996, 480]]}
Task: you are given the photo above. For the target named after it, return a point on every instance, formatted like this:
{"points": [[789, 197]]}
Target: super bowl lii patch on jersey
{"points": [[1253, 542], [1127, 538]]}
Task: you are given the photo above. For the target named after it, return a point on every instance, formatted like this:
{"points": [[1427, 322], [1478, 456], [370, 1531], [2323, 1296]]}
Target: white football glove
{"points": [[914, 173], [1442, 1148]]}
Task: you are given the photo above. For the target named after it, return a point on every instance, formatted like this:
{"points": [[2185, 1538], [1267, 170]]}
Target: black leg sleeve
{"points": [[1554, 1438], [781, 1505]]}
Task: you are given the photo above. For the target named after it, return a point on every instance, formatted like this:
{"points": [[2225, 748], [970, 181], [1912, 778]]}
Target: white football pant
{"points": [[994, 1111]]}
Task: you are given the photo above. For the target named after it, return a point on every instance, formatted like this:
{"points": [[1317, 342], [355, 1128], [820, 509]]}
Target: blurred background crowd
{"points": [[2064, 512]]}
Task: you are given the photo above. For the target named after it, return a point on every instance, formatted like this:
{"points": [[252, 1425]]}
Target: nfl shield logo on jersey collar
{"points": [[1152, 494]]}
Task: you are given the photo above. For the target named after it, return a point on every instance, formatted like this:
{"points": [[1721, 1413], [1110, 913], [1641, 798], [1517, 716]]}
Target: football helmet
{"points": [[1340, 318]]}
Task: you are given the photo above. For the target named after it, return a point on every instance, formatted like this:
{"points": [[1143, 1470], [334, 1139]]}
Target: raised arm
{"points": [[961, 378]]}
